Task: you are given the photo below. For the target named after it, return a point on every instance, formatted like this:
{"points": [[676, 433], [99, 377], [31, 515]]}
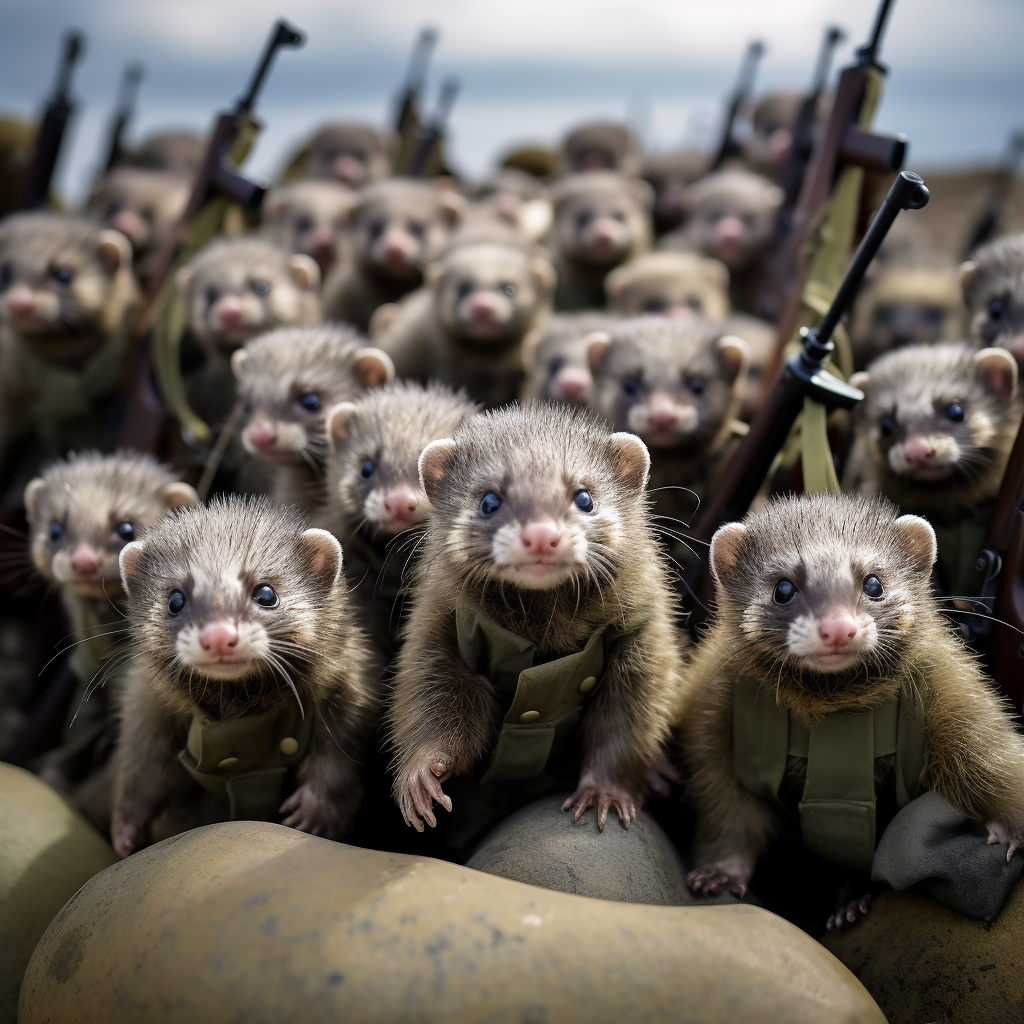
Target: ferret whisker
{"points": [[13, 532], [83, 640]]}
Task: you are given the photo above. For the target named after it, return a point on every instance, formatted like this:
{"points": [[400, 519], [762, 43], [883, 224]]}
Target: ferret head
{"points": [[63, 281], [675, 383], [671, 175], [238, 593], [290, 378], [353, 154], [600, 147], [373, 474], [821, 594], [398, 226], [601, 219], [180, 153], [555, 357], [309, 217], [538, 498], [938, 414], [241, 287], [993, 286], [515, 198], [676, 284], [83, 511], [732, 216], [773, 121]]}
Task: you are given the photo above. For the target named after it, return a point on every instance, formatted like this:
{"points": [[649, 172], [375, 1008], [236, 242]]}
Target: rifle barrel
{"points": [[282, 35], [420, 60], [869, 53], [834, 35], [72, 51]]}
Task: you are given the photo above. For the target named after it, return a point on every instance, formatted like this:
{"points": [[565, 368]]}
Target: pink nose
{"points": [[837, 631], [347, 168], [401, 503], [395, 250], [20, 302], [729, 230], [483, 306], [129, 224], [918, 451], [541, 538], [661, 417], [507, 204], [219, 638], [570, 383], [84, 561], [603, 233], [262, 434], [320, 240], [229, 310]]}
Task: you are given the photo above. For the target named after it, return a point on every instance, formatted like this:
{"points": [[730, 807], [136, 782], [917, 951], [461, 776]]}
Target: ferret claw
{"points": [[602, 799], [848, 913], [306, 812], [421, 790], [729, 875], [998, 833]]}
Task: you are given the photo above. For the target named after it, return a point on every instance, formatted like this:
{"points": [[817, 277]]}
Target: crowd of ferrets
{"points": [[463, 430]]}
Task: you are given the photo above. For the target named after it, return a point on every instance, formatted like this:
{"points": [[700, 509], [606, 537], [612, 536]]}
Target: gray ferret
{"points": [[600, 220], [993, 286], [310, 217], [512, 197], [671, 175], [398, 226], [466, 328], [248, 668], [373, 486], [555, 358], [670, 283], [288, 380], [539, 564], [354, 154], [179, 153], [600, 146], [824, 610]]}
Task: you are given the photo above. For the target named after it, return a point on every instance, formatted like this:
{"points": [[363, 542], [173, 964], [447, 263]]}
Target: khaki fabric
{"points": [[959, 546]]}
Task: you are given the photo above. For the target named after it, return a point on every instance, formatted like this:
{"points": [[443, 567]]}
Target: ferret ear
{"points": [[183, 278], [598, 343], [735, 354], [305, 271], [337, 421], [179, 493], [534, 218], [998, 369], [859, 379], [630, 459], [544, 275], [129, 563], [324, 554], [725, 549], [114, 249], [642, 193], [381, 319], [452, 207], [33, 490], [717, 273], [919, 541], [436, 460], [968, 270], [238, 360], [373, 367]]}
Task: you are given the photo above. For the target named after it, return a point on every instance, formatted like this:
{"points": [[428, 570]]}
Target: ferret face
{"points": [[289, 379], [377, 441], [823, 588], [993, 287], [232, 593], [176, 152], [490, 293], [82, 512], [674, 383], [670, 175], [670, 284], [772, 137], [309, 217], [243, 287], [538, 498], [59, 277], [937, 413], [600, 147], [351, 154], [556, 357]]}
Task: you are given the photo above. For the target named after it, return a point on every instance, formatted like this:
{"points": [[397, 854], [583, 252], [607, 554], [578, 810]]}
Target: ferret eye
{"points": [[490, 504], [175, 602], [694, 303], [887, 427], [310, 401], [996, 310], [583, 501], [655, 306], [367, 469], [6, 275], [265, 596], [212, 295], [583, 219], [785, 591], [956, 412], [873, 587], [465, 290], [125, 531], [509, 290], [696, 385], [260, 287], [62, 275], [417, 230], [376, 229], [631, 385], [556, 365], [303, 224], [56, 532]]}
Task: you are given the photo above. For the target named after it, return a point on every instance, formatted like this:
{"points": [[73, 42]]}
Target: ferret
{"points": [[538, 519], [235, 610], [512, 197], [310, 217], [993, 288], [467, 326], [287, 381], [761, 337], [144, 206], [671, 175], [771, 138], [179, 153], [600, 146], [670, 283], [353, 154], [373, 486], [826, 600], [398, 226], [555, 358], [601, 220]]}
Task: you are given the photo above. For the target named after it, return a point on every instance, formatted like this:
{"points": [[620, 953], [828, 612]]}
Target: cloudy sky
{"points": [[529, 68]]}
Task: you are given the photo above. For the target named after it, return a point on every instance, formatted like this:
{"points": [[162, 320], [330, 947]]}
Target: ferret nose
{"points": [[347, 168], [483, 306], [507, 205], [837, 631], [570, 383], [20, 301], [662, 416], [401, 502], [320, 240], [541, 538], [229, 310], [604, 232], [394, 248], [729, 230], [131, 225], [262, 434], [84, 561], [918, 451], [218, 638]]}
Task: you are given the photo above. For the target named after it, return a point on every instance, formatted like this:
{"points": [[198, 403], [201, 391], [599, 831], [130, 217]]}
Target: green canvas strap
{"points": [[548, 697], [244, 761]]}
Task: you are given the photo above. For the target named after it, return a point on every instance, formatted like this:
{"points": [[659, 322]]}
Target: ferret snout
{"points": [[347, 169], [402, 502], [662, 415], [85, 561], [218, 638], [484, 306], [262, 434], [571, 383], [228, 310], [918, 450], [729, 231], [605, 236], [541, 537], [20, 301], [838, 630], [131, 225], [397, 248], [320, 242]]}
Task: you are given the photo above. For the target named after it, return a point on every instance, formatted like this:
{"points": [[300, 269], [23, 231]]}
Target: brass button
{"points": [[529, 716], [289, 745], [588, 684], [228, 762]]}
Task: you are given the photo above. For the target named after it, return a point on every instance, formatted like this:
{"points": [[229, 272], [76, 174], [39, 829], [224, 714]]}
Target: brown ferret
{"points": [[671, 175], [824, 601], [354, 154], [670, 283], [398, 226], [514, 198], [373, 486], [993, 287], [772, 122], [538, 525], [288, 380], [310, 217], [555, 358], [239, 615], [601, 219], [180, 153], [600, 146]]}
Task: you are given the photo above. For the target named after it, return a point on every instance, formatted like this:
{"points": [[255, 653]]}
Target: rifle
{"points": [[36, 189], [215, 183], [430, 140], [803, 376], [122, 115], [728, 146], [998, 193], [407, 117]]}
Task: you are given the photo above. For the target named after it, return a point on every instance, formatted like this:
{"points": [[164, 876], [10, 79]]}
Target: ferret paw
{"points": [[421, 787], [128, 836], [662, 775], [998, 833], [731, 874], [309, 811], [849, 912], [603, 797]]}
